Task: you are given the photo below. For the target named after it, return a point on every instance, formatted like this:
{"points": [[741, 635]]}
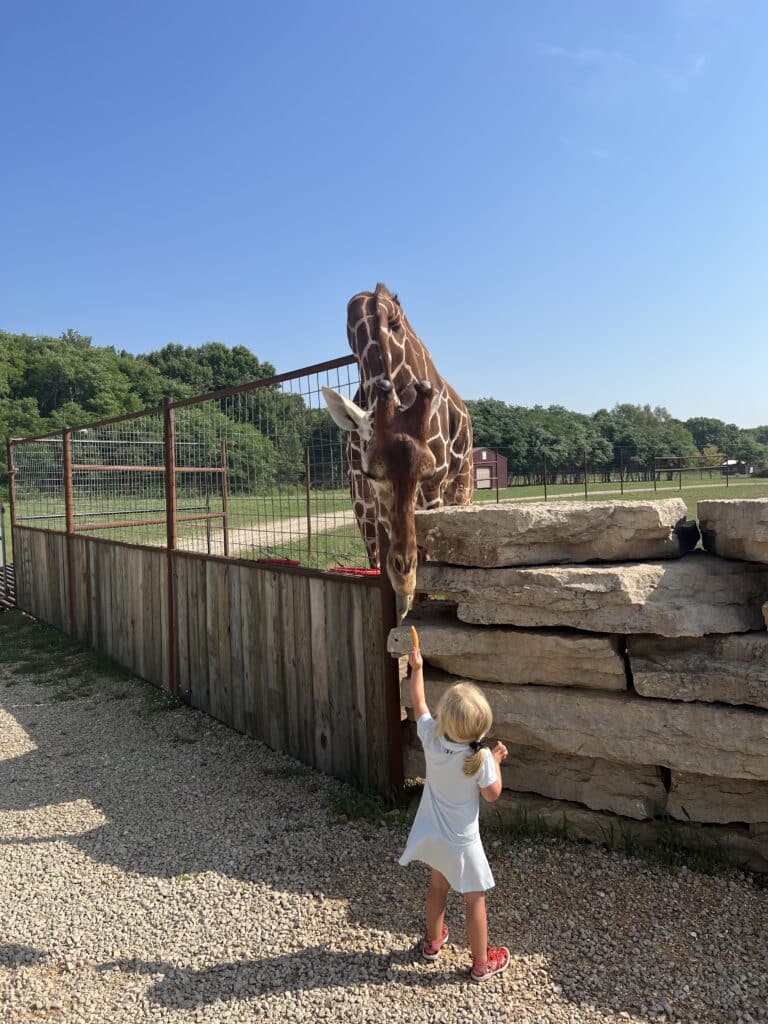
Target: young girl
{"points": [[445, 833]]}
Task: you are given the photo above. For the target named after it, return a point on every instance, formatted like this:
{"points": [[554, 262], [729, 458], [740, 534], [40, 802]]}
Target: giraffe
{"points": [[410, 435]]}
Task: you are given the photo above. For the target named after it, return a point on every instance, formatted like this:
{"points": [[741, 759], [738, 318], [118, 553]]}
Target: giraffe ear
{"points": [[347, 415]]}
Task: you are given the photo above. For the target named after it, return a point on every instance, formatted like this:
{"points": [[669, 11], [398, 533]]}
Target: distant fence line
{"points": [[626, 472]]}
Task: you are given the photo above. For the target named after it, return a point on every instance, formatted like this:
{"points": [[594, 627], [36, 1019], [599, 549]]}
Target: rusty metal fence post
{"points": [[69, 521], [11, 483], [169, 446]]}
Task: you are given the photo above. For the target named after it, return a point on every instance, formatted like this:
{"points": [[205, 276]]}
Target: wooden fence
{"points": [[294, 658]]}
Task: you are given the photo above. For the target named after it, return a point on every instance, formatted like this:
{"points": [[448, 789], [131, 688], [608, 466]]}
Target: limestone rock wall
{"points": [[632, 692]]}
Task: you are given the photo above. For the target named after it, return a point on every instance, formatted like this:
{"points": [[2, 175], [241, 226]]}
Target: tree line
{"points": [[628, 438], [48, 383]]}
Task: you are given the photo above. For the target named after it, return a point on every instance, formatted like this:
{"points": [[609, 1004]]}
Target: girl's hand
{"points": [[499, 752], [415, 659]]}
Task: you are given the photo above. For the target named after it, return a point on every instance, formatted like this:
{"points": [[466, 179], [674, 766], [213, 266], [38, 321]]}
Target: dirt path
{"points": [[273, 534]]}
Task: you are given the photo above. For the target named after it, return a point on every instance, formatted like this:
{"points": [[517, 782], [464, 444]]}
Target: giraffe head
{"points": [[396, 461]]}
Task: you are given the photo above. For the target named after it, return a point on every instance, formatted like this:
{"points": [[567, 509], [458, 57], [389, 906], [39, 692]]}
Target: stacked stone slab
{"points": [[628, 673]]}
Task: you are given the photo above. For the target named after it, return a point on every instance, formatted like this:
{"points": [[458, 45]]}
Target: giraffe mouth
{"points": [[403, 604]]}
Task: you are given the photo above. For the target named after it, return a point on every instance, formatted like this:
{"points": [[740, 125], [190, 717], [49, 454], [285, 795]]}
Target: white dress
{"points": [[446, 831]]}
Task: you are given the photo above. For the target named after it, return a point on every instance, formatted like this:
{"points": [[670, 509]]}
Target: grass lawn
{"points": [[342, 546]]}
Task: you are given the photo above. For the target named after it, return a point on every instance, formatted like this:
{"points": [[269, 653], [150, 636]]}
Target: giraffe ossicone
{"points": [[409, 435]]}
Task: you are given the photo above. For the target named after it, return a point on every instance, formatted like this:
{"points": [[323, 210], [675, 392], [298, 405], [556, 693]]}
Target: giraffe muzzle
{"points": [[403, 604]]}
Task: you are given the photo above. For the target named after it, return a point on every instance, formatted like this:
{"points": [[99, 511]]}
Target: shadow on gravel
{"points": [[303, 971], [183, 795], [14, 955]]}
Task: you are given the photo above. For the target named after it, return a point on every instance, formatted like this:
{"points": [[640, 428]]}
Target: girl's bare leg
{"points": [[477, 926], [437, 894]]}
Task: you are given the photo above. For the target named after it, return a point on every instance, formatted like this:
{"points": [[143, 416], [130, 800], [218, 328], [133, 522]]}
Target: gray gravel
{"points": [[155, 866]]}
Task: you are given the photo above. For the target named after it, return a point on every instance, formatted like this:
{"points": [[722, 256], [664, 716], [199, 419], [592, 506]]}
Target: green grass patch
{"points": [[52, 659], [352, 804], [162, 700]]}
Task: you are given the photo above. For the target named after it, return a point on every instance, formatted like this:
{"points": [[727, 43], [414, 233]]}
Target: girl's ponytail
{"points": [[473, 762]]}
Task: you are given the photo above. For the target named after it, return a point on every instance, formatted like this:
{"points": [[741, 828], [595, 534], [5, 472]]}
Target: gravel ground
{"points": [[155, 866]]}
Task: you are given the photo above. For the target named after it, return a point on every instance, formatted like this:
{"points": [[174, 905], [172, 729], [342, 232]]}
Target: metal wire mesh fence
{"points": [[257, 471]]}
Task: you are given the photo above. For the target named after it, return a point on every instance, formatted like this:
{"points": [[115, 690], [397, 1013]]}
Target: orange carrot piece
{"points": [[415, 636]]}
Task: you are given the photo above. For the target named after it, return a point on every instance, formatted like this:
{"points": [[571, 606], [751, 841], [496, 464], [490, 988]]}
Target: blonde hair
{"points": [[465, 716]]}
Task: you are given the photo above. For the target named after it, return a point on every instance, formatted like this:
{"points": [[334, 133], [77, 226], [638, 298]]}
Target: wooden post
{"points": [[545, 476], [653, 470], [621, 470], [225, 495], [391, 676], [309, 504], [169, 438], [69, 521]]}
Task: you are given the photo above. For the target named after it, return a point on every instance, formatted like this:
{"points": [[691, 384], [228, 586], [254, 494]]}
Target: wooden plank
{"points": [[273, 658], [202, 637], [359, 718], [119, 590], [224, 641], [139, 659], [193, 637], [323, 733], [211, 633], [95, 632], [41, 601], [375, 697], [215, 623], [59, 590], [80, 587], [289, 640], [260, 581], [237, 713], [181, 572], [162, 573], [104, 597], [303, 669], [249, 655], [340, 685], [63, 563]]}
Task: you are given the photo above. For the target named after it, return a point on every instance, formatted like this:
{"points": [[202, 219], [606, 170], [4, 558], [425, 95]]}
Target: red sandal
{"points": [[497, 963], [431, 947]]}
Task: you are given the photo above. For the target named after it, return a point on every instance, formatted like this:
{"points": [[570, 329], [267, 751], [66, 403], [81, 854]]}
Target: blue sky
{"points": [[570, 198]]}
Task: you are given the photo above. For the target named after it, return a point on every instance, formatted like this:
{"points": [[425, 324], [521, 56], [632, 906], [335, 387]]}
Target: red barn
{"points": [[490, 469]]}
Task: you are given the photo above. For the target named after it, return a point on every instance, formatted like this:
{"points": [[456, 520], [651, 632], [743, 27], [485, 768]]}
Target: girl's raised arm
{"points": [[418, 701]]}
